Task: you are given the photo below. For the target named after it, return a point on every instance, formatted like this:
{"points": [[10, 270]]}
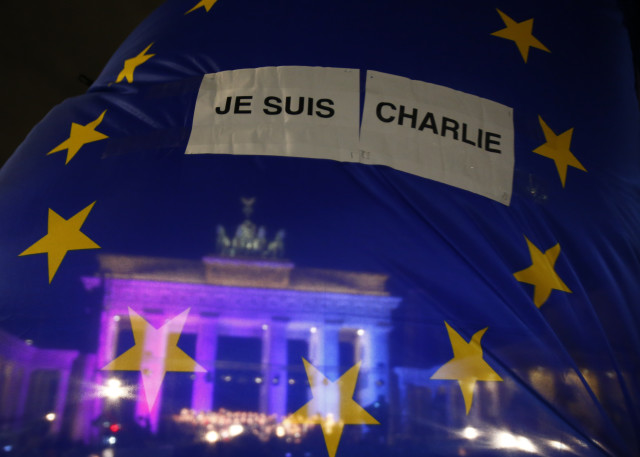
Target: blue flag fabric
{"points": [[398, 313]]}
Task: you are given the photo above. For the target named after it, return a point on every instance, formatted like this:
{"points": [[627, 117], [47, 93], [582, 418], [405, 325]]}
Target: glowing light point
{"points": [[211, 436], [113, 390], [470, 433], [503, 440], [235, 430], [506, 440], [360, 332], [50, 417], [559, 445]]}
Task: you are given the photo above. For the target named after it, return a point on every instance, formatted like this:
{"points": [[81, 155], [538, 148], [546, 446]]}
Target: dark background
{"points": [[52, 50]]}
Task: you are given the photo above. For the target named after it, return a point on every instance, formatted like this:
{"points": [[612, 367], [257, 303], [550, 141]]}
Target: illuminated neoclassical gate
{"points": [[266, 299]]}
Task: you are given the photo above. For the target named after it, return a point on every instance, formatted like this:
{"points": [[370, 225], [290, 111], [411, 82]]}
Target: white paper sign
{"points": [[310, 112], [438, 133]]}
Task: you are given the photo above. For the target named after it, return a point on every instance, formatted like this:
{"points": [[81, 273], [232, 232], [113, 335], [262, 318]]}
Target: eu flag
{"points": [[331, 229]]}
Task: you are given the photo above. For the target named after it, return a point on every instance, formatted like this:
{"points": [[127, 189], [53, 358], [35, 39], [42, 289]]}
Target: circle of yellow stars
{"points": [[467, 366]]}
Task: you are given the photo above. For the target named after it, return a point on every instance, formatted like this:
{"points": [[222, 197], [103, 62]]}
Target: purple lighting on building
{"points": [[269, 302]]}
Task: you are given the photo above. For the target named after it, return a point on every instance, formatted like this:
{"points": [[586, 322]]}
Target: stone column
{"points": [[492, 408], [324, 350], [81, 428], [206, 353], [273, 391], [373, 350], [23, 392], [61, 399], [151, 379], [12, 373], [109, 326], [324, 354], [403, 400], [106, 352]]}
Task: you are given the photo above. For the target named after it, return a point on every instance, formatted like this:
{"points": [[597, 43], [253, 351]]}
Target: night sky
{"points": [[47, 46]]}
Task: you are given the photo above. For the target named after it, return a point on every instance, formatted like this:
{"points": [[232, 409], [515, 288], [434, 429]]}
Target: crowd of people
{"points": [[222, 425]]}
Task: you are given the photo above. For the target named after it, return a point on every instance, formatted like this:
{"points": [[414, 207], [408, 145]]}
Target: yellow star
{"points": [[520, 33], [79, 136], [131, 64], [332, 405], [541, 274], [63, 235], [206, 4], [557, 149], [155, 352], [467, 365]]}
